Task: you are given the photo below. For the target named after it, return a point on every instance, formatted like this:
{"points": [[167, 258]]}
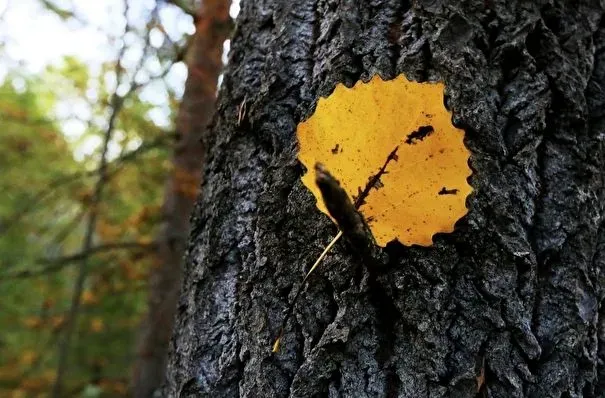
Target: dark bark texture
{"points": [[508, 305]]}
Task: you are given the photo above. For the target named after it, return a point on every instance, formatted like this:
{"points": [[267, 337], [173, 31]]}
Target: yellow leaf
{"points": [[48, 303], [33, 384], [424, 186], [89, 298], [97, 325], [145, 239], [115, 387], [57, 321], [108, 231], [49, 375], [28, 357], [9, 371], [19, 393], [33, 322]]}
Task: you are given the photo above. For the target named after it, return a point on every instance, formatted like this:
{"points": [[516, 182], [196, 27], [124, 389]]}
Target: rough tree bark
{"points": [[509, 304], [204, 61]]}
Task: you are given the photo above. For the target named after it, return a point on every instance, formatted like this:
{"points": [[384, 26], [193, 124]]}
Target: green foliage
{"points": [[51, 129], [30, 142]]}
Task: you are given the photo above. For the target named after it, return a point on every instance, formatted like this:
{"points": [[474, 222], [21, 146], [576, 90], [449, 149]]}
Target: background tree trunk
{"points": [[204, 61], [509, 304]]}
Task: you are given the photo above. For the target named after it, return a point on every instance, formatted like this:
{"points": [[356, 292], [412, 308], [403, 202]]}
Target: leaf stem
{"points": [[323, 254]]}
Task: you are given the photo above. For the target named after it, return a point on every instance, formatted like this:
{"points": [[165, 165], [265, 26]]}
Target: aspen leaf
{"points": [[424, 186]]}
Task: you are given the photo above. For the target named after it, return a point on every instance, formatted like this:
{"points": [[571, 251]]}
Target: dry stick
{"points": [[349, 221], [277, 342]]}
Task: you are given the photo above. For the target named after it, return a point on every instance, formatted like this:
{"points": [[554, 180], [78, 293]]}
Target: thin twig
{"points": [[40, 197], [323, 254]]}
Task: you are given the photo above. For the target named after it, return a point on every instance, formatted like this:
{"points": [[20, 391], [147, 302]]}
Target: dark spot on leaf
{"points": [[445, 191], [335, 149], [376, 183], [419, 135]]}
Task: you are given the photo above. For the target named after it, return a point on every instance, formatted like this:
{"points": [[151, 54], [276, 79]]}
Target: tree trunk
{"points": [[204, 61], [508, 305]]}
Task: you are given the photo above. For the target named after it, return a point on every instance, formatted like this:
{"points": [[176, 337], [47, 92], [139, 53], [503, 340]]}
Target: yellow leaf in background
{"points": [[28, 357], [33, 322], [129, 269], [118, 388], [108, 231], [84, 195], [353, 132], [145, 239], [9, 371], [33, 384], [48, 303], [49, 375], [19, 393], [97, 325], [57, 321], [89, 298], [119, 286]]}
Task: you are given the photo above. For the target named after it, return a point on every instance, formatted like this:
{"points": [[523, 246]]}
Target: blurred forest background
{"points": [[102, 106]]}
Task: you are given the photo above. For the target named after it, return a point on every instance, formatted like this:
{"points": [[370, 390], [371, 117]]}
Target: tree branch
{"points": [[117, 103], [57, 264], [41, 196]]}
